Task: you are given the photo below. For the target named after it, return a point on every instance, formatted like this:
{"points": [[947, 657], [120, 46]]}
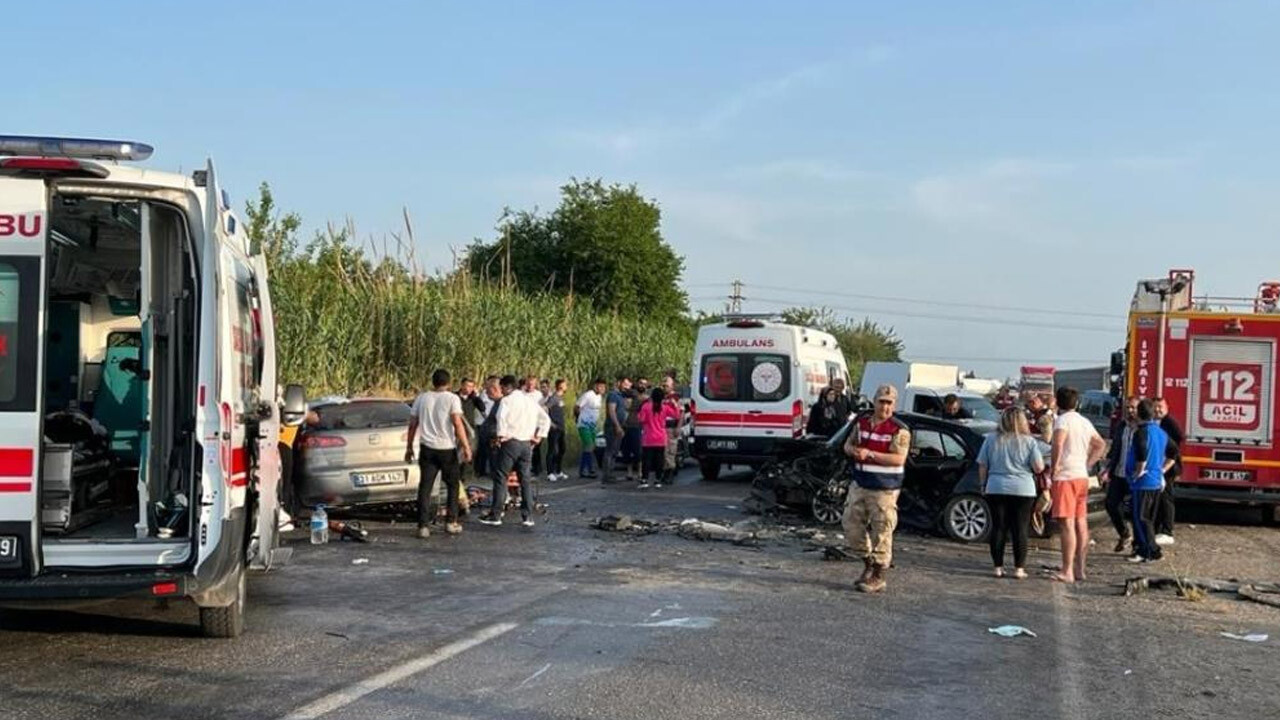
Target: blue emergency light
{"points": [[74, 148]]}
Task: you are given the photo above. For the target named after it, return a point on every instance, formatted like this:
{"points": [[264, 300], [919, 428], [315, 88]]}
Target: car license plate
{"points": [[722, 444], [8, 548], [377, 478], [1235, 475]]}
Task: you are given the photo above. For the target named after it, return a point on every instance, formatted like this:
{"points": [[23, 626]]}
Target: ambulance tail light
{"points": [[324, 441], [797, 418], [164, 588], [74, 148], [693, 415]]}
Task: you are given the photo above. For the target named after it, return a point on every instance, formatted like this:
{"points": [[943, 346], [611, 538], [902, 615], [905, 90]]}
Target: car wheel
{"points": [[828, 506], [710, 470], [967, 518]]}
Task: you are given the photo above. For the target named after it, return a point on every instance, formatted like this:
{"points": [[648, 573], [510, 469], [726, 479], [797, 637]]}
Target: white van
{"points": [[754, 383], [922, 387], [138, 403]]}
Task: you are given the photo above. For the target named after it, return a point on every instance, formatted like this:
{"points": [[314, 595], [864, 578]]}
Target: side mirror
{"points": [[1117, 363], [295, 406]]}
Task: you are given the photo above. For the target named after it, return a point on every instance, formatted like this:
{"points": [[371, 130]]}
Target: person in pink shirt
{"points": [[653, 418]]}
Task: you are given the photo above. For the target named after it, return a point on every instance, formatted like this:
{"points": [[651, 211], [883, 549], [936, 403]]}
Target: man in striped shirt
{"points": [[878, 445]]}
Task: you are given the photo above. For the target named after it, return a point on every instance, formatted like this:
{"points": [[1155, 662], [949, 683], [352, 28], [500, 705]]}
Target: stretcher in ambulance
{"points": [[755, 381], [1213, 360], [138, 401]]}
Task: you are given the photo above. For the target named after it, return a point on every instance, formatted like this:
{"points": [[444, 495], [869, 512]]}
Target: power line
{"points": [[952, 318], [947, 303]]}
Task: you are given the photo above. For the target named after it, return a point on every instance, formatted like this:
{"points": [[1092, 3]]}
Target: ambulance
{"points": [[139, 410], [1213, 359], [754, 381]]}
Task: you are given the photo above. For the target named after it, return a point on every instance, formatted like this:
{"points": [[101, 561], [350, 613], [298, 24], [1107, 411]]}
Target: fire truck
{"points": [[1213, 359], [1036, 380]]}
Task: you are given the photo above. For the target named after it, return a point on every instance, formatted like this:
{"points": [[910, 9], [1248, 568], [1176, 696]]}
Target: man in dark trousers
{"points": [[1117, 472], [1165, 509], [1145, 467], [437, 433]]}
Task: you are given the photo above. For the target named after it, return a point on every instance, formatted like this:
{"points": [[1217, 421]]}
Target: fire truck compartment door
{"points": [[1232, 390]]}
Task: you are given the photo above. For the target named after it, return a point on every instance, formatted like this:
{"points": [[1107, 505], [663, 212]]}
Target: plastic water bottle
{"points": [[319, 526]]}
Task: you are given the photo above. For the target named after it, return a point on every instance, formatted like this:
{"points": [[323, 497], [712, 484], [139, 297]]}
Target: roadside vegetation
{"points": [[588, 290]]}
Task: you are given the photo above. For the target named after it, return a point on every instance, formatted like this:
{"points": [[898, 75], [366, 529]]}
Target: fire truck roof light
{"points": [[74, 148]]}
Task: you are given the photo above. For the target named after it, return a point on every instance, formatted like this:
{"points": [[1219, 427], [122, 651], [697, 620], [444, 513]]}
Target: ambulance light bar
{"points": [[74, 148]]}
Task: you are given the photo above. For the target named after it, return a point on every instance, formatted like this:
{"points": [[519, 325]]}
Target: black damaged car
{"points": [[941, 490]]}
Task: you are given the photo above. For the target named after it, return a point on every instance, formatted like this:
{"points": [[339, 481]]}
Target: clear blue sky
{"points": [[1039, 155]]}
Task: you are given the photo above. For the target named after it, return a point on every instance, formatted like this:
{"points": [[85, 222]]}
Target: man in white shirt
{"points": [[437, 428], [1076, 448], [587, 412], [521, 425]]}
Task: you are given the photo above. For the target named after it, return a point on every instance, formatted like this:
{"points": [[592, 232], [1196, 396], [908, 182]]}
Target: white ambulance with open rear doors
{"points": [[754, 382], [138, 402]]}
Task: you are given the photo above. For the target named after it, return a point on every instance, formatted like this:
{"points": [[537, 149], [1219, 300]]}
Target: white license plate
{"points": [[377, 478], [8, 548], [1235, 475], [722, 444]]}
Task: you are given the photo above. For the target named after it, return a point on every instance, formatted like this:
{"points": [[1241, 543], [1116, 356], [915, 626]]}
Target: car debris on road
{"points": [[1264, 593]]}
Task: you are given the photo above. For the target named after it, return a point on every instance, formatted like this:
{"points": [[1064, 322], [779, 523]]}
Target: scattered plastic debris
{"points": [[1011, 631], [360, 561], [1128, 672], [442, 571], [1252, 637]]}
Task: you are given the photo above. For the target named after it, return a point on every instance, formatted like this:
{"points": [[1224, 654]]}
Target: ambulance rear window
{"points": [[19, 288], [745, 377]]}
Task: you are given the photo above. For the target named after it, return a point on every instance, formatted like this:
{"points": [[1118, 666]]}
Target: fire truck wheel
{"points": [[1271, 515], [227, 622]]}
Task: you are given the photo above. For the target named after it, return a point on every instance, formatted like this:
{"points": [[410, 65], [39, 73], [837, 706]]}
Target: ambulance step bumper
{"points": [[89, 586]]}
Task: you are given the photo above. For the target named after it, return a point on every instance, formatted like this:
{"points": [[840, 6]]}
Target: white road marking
{"points": [[351, 693], [684, 623], [535, 676]]}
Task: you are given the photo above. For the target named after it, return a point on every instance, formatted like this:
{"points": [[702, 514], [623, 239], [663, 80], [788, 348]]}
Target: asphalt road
{"points": [[563, 621]]}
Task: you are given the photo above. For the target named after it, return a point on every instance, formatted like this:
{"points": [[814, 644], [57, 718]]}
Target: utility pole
{"points": [[735, 300]]}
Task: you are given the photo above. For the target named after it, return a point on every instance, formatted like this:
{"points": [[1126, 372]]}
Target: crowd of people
{"points": [[1044, 456], [507, 427]]}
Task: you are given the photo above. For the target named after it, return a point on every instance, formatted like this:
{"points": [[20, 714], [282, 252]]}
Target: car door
{"points": [[936, 461], [23, 231]]}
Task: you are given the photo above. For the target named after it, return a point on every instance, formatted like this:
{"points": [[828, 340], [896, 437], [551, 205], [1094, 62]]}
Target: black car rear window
{"points": [[363, 415]]}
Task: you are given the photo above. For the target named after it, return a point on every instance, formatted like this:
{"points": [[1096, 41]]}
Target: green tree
{"points": [[603, 242], [269, 230]]}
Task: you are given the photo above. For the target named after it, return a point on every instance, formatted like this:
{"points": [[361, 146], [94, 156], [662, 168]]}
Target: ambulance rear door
{"points": [[23, 239], [746, 387]]}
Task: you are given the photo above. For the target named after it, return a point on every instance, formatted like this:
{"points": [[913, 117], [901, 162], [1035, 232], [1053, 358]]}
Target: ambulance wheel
{"points": [[710, 470], [227, 622]]}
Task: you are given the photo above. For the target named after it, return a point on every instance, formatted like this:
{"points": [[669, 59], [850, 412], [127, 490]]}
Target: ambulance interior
{"points": [[119, 372]]}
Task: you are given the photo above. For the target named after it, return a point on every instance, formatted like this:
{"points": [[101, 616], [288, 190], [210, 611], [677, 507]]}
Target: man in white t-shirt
{"points": [[438, 430], [587, 411], [1076, 448]]}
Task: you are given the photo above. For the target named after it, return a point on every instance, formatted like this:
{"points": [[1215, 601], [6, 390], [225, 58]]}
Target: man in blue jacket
{"points": [[1145, 470]]}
